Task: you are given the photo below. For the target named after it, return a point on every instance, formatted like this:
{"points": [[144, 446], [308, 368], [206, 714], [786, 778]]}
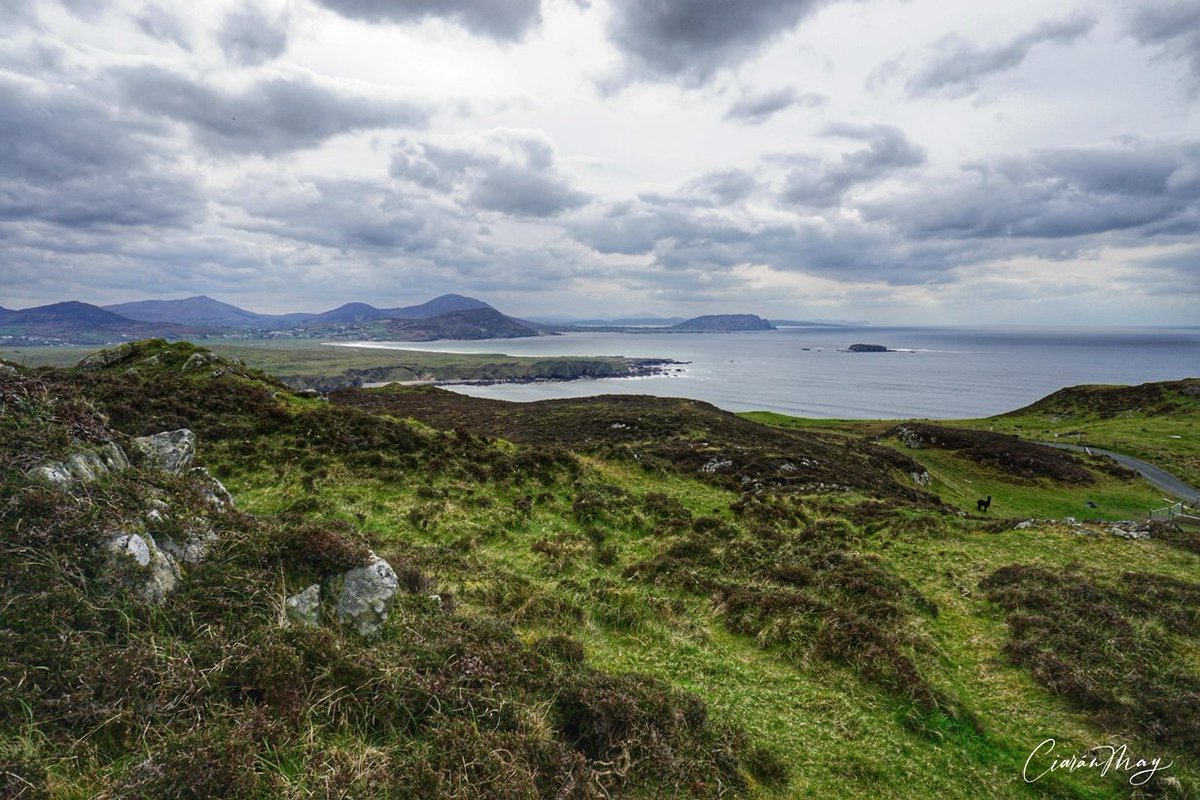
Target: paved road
{"points": [[1155, 475]]}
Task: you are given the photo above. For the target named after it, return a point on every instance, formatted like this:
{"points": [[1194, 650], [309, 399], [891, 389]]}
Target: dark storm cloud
{"points": [[68, 159], [153, 20], [689, 40], [1174, 27], [755, 109], [249, 38], [958, 67], [270, 117], [498, 19], [818, 184], [511, 172], [1145, 189]]}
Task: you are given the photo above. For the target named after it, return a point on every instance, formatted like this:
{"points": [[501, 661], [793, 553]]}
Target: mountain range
{"points": [[449, 316]]}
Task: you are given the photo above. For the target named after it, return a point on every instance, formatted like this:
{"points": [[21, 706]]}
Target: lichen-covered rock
{"points": [[151, 572], [199, 537], [216, 496], [170, 451], [107, 357], [365, 595], [83, 466], [305, 607], [200, 360], [922, 478]]}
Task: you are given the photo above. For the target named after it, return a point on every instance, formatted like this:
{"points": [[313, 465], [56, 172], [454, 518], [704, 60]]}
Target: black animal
{"points": [[983, 505]]}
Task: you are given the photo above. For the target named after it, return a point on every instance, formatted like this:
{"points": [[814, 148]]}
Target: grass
{"points": [[583, 605]]}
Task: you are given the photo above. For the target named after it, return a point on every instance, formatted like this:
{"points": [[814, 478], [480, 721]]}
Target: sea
{"points": [[931, 373]]}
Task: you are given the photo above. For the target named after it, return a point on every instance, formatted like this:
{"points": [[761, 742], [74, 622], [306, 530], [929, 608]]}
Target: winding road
{"points": [[1155, 475]]}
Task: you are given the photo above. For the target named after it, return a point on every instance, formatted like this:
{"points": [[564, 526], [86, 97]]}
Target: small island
{"points": [[868, 348]]}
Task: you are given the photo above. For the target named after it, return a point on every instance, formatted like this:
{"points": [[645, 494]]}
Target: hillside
{"points": [[722, 323], [203, 311], [409, 593], [481, 323], [78, 322]]}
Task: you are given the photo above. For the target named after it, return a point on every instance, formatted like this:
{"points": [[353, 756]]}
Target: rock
{"points": [[7, 369], [305, 607], [198, 361], [1025, 525], [365, 595], [154, 573], [216, 496], [108, 357], [83, 466], [716, 465], [170, 451], [922, 478], [197, 541]]}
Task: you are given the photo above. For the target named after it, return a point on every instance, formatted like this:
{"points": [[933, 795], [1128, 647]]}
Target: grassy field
{"points": [[669, 600]]}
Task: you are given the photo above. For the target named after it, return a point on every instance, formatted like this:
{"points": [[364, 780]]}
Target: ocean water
{"points": [[938, 373]]}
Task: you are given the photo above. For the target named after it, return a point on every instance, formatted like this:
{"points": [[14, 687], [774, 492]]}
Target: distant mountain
{"points": [[83, 323], [444, 304], [203, 310], [724, 323], [356, 313], [478, 323]]}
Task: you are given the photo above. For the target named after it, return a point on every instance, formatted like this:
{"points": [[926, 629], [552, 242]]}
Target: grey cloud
{"points": [[958, 67], [271, 117], [1145, 189], [511, 172], [819, 184], [756, 109], [724, 187], [498, 19], [1174, 27], [249, 38], [155, 21], [68, 159], [689, 40]]}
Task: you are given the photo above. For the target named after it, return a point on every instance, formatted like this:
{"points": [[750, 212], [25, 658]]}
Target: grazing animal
{"points": [[983, 505]]}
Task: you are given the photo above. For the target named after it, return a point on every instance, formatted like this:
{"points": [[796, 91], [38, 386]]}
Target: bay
{"points": [[936, 373]]}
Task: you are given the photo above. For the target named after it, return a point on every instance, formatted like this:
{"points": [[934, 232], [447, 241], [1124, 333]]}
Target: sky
{"points": [[897, 161]]}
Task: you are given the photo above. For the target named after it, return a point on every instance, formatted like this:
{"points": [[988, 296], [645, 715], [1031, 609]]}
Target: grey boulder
{"points": [[170, 451]]}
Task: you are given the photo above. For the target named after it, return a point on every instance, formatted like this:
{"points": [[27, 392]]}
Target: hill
{"points": [[411, 593], [721, 323], [203, 311], [481, 323], [79, 322]]}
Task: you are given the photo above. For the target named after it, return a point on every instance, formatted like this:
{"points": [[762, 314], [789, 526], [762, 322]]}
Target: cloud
{"points": [[249, 38], [820, 184], [504, 20], [270, 117], [687, 41], [723, 187], [755, 109], [508, 171], [155, 21], [68, 159], [1140, 188], [958, 67], [1175, 28]]}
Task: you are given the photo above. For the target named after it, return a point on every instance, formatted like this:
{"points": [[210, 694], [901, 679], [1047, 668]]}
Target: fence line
{"points": [[1170, 512]]}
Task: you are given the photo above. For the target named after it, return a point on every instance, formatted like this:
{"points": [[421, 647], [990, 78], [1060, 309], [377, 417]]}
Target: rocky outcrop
{"points": [[138, 561], [360, 598], [304, 607], [83, 466], [363, 597], [170, 451]]}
